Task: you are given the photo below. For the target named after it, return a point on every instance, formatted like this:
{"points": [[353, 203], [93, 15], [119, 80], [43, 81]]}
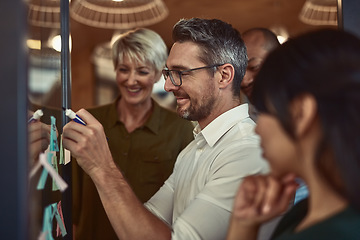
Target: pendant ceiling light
{"points": [[126, 14], [44, 13], [319, 12]]}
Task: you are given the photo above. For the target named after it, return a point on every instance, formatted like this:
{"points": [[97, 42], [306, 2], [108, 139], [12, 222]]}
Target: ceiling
{"points": [[242, 14]]}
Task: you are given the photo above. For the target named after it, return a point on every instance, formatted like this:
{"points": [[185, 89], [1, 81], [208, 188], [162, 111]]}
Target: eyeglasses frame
{"points": [[167, 73]]}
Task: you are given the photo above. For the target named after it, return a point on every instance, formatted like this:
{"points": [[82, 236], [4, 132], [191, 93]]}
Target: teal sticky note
{"points": [[44, 174], [47, 221], [53, 139], [54, 164], [42, 180]]}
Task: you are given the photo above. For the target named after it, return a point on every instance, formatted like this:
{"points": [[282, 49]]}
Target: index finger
{"points": [[272, 194], [87, 117]]}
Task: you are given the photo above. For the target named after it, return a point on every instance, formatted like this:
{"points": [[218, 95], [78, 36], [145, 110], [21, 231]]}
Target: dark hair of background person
{"points": [[325, 65], [220, 43], [271, 40]]}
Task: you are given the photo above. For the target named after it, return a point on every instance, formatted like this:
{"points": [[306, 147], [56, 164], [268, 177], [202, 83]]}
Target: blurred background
{"points": [[94, 23], [34, 72]]}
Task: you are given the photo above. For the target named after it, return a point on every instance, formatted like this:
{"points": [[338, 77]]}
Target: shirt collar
{"points": [[220, 125], [153, 123]]}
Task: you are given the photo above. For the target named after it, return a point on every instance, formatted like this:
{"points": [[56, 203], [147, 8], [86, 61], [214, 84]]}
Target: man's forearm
{"points": [[129, 218]]}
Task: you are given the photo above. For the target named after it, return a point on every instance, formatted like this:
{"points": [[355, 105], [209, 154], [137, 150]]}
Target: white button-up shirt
{"points": [[197, 198]]}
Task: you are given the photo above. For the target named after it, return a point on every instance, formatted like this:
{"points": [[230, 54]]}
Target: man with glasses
{"points": [[205, 67]]}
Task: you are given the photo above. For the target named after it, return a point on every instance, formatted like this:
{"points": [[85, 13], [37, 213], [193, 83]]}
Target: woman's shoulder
{"points": [[342, 225], [292, 217], [346, 223], [103, 111]]}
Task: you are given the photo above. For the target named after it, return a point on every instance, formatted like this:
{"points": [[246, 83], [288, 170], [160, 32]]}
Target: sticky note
{"points": [[53, 138], [62, 185]]}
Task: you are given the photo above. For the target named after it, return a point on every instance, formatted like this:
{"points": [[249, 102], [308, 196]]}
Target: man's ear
{"points": [[304, 113], [227, 73]]}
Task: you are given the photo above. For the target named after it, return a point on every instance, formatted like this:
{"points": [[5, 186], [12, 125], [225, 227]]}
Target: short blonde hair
{"points": [[140, 45]]}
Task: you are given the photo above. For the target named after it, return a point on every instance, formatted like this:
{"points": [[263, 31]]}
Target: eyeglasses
{"points": [[175, 75]]}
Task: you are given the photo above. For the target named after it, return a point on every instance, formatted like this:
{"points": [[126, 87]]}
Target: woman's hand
{"points": [[259, 199], [88, 144], [263, 197]]}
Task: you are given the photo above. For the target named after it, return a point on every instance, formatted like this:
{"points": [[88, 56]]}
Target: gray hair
{"points": [[141, 45], [220, 43]]}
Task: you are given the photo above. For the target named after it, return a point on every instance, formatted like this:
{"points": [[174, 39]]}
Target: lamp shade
{"points": [[44, 13], [126, 14], [319, 12]]}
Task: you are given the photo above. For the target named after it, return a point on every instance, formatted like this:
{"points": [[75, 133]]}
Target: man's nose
{"points": [[169, 86]]}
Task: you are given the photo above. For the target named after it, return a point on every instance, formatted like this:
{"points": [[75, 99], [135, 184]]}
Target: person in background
{"points": [[144, 139], [308, 96], [259, 43], [204, 70]]}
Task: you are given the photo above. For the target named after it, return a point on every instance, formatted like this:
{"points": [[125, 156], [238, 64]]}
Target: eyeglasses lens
{"points": [[174, 76]]}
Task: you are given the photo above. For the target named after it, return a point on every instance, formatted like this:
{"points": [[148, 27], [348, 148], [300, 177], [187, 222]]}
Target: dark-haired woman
{"points": [[308, 96]]}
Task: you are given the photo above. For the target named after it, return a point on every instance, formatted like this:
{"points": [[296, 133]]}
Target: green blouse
{"points": [[344, 225]]}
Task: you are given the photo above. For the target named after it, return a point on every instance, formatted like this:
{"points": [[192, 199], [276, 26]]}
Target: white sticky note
{"points": [[67, 156], [58, 179]]}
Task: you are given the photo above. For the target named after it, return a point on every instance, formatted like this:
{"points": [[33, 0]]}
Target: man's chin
{"points": [[182, 112]]}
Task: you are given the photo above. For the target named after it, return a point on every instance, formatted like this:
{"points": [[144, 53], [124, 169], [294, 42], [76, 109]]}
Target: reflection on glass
{"points": [[44, 93]]}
